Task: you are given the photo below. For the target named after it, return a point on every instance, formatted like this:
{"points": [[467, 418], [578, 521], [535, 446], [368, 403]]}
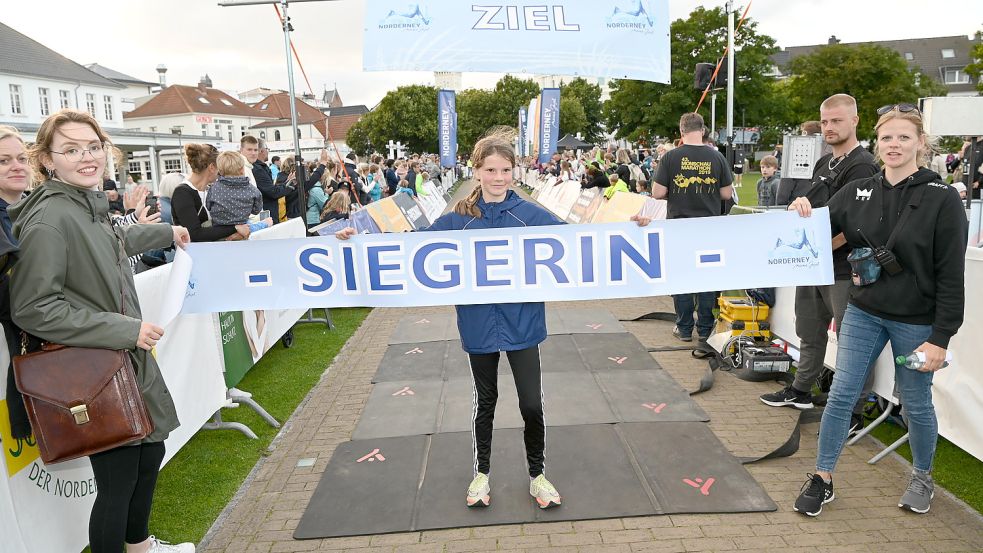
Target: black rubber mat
{"points": [[691, 471], [416, 361], [620, 351], [414, 329], [586, 321], [602, 471], [648, 396], [368, 487], [449, 471], [401, 408], [557, 354]]}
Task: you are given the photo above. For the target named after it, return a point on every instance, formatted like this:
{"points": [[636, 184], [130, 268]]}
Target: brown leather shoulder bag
{"points": [[81, 401]]}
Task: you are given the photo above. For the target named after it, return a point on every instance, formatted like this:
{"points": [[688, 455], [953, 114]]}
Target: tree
{"points": [[874, 75], [975, 69], [644, 110], [573, 119], [407, 114], [512, 93], [358, 137], [475, 108], [588, 95]]}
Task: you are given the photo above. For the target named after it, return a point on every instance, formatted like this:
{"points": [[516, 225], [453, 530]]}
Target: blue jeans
{"points": [[703, 303], [862, 338]]}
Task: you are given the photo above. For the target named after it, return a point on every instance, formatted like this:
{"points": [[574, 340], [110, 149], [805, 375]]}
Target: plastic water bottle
{"points": [[916, 360]]}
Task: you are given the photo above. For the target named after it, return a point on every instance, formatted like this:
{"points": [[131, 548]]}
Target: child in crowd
{"points": [[642, 188], [233, 198], [768, 184], [338, 207], [617, 185], [404, 187]]}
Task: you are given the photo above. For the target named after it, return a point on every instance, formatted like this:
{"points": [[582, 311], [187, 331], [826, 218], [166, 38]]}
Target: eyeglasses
{"points": [[75, 155], [903, 108]]}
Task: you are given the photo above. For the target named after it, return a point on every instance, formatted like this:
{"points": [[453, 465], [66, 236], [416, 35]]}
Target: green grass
{"points": [[197, 484], [747, 194], [955, 470]]}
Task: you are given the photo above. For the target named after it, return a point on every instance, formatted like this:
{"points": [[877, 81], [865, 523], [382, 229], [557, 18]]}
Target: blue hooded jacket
{"points": [[495, 327]]}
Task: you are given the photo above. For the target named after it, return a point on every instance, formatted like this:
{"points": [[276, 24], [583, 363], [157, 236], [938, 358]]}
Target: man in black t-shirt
{"points": [[816, 306], [693, 179]]}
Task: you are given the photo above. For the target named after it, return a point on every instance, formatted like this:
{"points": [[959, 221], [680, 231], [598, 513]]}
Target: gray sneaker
{"points": [[918, 497]]}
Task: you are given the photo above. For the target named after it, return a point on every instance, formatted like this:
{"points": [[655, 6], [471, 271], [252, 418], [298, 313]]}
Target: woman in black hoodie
{"points": [[914, 300]]}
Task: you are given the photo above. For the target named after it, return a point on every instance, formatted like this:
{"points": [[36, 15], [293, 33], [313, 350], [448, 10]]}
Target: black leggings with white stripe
{"points": [[526, 372]]}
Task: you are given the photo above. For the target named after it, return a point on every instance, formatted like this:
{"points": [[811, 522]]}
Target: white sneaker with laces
{"points": [[479, 491], [544, 492], [159, 546]]}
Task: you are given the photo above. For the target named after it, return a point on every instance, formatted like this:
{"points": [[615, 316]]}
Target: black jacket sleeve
{"points": [[949, 245], [185, 206], [265, 184]]}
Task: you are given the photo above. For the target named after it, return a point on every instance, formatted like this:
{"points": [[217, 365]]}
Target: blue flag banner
{"points": [[619, 39], [526, 264], [549, 123], [447, 127], [522, 132]]}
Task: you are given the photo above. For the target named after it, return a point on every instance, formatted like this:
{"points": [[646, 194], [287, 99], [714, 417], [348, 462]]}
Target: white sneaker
{"points": [[478, 491], [158, 546], [544, 492]]}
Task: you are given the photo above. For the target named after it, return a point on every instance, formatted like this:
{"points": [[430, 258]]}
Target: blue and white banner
{"points": [[527, 264], [619, 39], [447, 127], [522, 132], [549, 123]]}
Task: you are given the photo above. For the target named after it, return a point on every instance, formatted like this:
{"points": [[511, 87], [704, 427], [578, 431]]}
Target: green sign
{"points": [[235, 346]]}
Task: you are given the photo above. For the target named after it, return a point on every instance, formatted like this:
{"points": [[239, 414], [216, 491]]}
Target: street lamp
{"points": [[176, 129], [287, 27]]}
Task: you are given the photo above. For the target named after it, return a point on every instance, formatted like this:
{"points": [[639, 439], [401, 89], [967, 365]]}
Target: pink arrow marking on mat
{"points": [[618, 360], [594, 326], [704, 487], [655, 407], [414, 350], [406, 391], [422, 321], [373, 455]]}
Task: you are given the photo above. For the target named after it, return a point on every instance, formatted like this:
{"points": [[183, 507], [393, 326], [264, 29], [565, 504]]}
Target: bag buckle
{"points": [[81, 414]]}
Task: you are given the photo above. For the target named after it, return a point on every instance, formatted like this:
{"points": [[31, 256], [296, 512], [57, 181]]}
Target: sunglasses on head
{"points": [[903, 108]]}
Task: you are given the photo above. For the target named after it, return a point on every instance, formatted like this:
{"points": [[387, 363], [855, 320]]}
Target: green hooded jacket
{"points": [[72, 274]]}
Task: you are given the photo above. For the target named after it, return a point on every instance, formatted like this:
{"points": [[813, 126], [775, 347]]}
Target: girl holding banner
{"points": [[515, 328]]}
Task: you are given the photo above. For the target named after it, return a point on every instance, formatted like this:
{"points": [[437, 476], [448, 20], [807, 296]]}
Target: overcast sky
{"points": [[242, 47]]}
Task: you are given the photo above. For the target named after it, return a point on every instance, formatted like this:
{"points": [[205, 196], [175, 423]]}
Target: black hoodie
{"points": [[931, 248]]}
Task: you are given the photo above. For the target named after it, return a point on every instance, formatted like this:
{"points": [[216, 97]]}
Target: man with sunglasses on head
{"points": [[816, 306]]}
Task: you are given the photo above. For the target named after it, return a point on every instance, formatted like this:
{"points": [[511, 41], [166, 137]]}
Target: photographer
{"points": [[907, 230]]}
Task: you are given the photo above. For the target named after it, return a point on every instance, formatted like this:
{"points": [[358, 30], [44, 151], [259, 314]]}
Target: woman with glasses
{"points": [[907, 230], [72, 285]]}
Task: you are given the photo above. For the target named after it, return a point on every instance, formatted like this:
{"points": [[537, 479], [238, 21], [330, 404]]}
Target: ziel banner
{"points": [[549, 123], [527, 264], [447, 127], [620, 39]]}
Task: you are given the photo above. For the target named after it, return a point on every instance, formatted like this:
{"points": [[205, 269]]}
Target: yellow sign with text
{"points": [[17, 454]]}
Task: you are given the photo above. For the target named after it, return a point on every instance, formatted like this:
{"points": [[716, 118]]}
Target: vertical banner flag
{"points": [[447, 127], [532, 135], [618, 39], [522, 132], [549, 123]]}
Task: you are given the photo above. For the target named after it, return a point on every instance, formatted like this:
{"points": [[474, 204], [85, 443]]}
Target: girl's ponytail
{"points": [[469, 205]]}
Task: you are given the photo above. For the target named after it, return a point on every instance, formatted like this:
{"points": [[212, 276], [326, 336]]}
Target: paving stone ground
{"points": [[864, 517]]}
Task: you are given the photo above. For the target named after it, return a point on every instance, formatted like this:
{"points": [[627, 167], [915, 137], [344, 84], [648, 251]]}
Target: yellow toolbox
{"points": [[740, 308], [755, 329]]}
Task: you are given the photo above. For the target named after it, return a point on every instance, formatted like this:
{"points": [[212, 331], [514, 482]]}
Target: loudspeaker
{"points": [[721, 81], [703, 74]]}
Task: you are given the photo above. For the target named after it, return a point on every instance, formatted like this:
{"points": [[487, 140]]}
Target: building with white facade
{"points": [[135, 88]]}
